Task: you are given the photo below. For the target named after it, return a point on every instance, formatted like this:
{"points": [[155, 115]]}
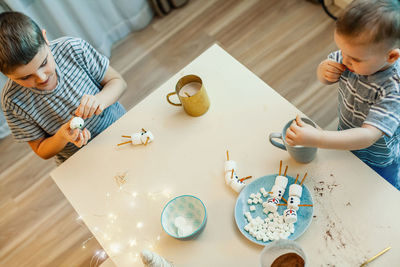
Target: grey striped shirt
{"points": [[373, 100], [33, 114]]}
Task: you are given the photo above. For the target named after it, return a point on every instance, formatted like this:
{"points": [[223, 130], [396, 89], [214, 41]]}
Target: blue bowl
{"points": [[189, 207]]}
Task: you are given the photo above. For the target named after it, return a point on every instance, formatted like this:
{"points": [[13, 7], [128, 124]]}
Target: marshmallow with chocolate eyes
{"points": [[293, 202], [76, 123], [295, 190], [290, 216], [277, 191], [271, 205], [237, 185], [281, 181], [146, 137]]}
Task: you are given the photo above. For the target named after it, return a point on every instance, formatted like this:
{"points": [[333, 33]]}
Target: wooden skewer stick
{"points": [[376, 256], [232, 174], [187, 94], [227, 155], [280, 168], [285, 170], [270, 192], [305, 205], [126, 136], [124, 143], [247, 177], [147, 140], [284, 199], [143, 130], [296, 179], [305, 175], [281, 204]]}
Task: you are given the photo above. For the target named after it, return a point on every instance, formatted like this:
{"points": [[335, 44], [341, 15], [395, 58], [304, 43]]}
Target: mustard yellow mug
{"points": [[192, 95]]}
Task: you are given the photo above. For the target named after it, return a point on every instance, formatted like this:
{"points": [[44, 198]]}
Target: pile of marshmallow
{"points": [[274, 226], [183, 227], [231, 177]]}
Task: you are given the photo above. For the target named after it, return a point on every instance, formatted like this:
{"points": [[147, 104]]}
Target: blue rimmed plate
{"points": [[304, 214]]}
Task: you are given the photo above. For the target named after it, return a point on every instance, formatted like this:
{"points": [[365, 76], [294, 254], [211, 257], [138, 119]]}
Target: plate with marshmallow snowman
{"points": [[274, 207]]}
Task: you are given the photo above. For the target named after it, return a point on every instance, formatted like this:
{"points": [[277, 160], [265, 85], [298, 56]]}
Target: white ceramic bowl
{"points": [[191, 209]]}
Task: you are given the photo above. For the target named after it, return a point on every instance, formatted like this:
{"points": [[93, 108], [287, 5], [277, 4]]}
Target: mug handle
{"points": [[172, 103], [275, 143]]}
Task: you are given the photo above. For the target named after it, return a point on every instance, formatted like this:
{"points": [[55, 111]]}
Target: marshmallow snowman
{"points": [[142, 138], [295, 192], [231, 177], [278, 189], [76, 123]]}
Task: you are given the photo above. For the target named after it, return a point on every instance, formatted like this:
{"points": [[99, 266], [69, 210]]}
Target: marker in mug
{"points": [[190, 89]]}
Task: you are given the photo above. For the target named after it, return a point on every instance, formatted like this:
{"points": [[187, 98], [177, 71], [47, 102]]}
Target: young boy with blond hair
{"points": [[49, 83], [368, 71]]}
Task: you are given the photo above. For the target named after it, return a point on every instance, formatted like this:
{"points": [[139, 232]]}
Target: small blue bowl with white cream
{"points": [[184, 217]]}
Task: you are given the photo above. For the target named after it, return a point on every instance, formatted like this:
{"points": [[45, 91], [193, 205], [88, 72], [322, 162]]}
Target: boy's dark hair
{"points": [[379, 19], [20, 40]]}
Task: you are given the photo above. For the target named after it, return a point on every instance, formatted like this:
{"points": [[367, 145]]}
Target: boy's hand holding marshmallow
{"points": [[76, 136]]}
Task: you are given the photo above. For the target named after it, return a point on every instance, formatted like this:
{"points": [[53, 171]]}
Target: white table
{"points": [[355, 210]]}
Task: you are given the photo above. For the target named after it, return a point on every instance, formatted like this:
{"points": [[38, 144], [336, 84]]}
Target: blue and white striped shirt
{"points": [[33, 114], [373, 100]]}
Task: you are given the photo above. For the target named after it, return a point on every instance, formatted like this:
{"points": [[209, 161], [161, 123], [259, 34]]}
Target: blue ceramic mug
{"points": [[301, 154]]}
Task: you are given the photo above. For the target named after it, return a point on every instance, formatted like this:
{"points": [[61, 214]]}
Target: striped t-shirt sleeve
{"points": [[385, 114], [22, 127], [95, 63]]}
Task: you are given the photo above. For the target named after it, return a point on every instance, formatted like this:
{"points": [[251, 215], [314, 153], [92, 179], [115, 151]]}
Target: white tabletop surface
{"points": [[355, 210]]}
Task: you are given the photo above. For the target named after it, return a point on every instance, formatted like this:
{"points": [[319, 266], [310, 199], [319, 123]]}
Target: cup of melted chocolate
{"points": [[283, 253]]}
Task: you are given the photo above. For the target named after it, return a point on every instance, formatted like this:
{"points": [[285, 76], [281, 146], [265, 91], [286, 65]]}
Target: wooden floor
{"points": [[280, 41]]}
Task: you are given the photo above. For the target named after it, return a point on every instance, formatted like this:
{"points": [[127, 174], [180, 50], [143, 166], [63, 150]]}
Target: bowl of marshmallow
{"points": [[184, 217]]}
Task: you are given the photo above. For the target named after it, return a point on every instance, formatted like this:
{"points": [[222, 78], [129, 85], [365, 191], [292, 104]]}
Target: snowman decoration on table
{"points": [[231, 178], [144, 137], [295, 192], [277, 191]]}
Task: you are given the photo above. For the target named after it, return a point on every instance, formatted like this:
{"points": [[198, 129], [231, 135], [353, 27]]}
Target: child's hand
{"points": [[89, 105], [330, 70], [300, 133], [76, 136]]}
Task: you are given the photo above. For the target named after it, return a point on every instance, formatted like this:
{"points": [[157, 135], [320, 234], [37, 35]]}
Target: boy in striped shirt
{"points": [[368, 71], [49, 83]]}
